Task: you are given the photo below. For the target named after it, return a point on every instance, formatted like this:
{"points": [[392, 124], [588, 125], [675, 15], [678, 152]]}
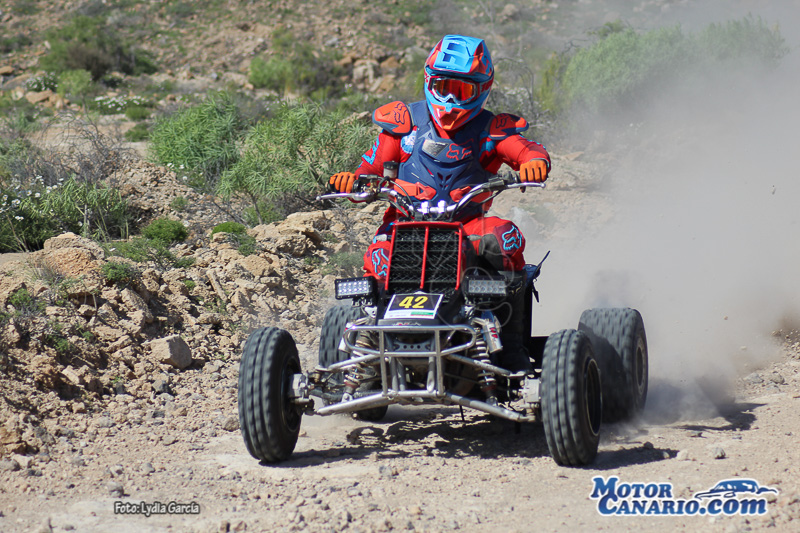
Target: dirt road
{"points": [[418, 470]]}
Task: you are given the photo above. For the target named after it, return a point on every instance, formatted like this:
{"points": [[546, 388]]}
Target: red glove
{"points": [[343, 181], [533, 171]]}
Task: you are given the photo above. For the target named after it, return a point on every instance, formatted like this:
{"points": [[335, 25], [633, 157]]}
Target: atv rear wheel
{"points": [[269, 419], [332, 329], [571, 398], [620, 343]]}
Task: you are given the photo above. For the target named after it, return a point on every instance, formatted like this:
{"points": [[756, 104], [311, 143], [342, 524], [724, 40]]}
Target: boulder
{"points": [[172, 350]]}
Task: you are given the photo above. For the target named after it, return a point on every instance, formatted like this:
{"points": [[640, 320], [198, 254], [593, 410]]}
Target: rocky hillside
{"points": [[79, 338]]}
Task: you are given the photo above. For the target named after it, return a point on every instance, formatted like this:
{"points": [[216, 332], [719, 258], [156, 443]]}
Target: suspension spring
{"points": [[358, 373], [486, 379]]}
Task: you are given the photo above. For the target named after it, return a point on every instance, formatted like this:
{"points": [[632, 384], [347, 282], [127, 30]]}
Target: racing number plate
{"points": [[413, 306]]}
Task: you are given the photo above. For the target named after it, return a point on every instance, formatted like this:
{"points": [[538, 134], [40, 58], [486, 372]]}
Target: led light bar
{"points": [[485, 286], [355, 287]]}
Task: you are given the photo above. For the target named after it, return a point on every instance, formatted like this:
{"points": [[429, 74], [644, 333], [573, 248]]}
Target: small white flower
{"points": [[19, 217], [37, 195]]}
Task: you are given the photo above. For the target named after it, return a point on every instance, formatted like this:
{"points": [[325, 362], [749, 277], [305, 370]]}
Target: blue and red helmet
{"points": [[458, 77]]}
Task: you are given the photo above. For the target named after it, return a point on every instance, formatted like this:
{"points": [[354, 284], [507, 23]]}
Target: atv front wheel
{"points": [[571, 398], [270, 421], [332, 329], [619, 341]]}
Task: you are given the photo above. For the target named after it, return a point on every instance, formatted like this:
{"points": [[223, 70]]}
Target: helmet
{"points": [[458, 77]]}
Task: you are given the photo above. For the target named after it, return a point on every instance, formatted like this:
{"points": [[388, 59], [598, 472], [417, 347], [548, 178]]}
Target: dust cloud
{"points": [[705, 240]]}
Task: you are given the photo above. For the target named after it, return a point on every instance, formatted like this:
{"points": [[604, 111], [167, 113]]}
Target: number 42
{"points": [[413, 302]]}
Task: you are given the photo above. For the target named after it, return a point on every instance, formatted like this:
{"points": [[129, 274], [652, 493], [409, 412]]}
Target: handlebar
{"points": [[370, 188]]}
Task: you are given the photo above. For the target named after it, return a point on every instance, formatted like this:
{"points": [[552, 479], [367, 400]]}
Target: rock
{"points": [[230, 423], [777, 378], [161, 386], [754, 378], [38, 97], [258, 266], [718, 453], [147, 468], [116, 489], [137, 305], [104, 422], [173, 351], [9, 465], [683, 455], [387, 472]]}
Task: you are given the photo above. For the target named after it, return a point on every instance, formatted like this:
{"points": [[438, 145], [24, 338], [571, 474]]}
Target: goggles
{"points": [[454, 89]]}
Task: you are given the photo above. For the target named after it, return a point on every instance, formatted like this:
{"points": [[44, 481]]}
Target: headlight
{"points": [[485, 286], [355, 288]]}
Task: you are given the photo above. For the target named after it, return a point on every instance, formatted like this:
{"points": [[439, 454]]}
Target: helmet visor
{"points": [[457, 90]]}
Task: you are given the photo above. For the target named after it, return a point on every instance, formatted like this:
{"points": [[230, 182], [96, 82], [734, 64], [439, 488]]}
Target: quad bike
{"points": [[428, 333]]}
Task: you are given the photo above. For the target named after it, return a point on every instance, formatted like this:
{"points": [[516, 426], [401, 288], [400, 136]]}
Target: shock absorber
{"points": [[357, 373], [486, 380], [351, 382]]}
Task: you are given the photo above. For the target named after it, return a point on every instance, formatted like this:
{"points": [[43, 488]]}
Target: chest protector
{"points": [[445, 164]]}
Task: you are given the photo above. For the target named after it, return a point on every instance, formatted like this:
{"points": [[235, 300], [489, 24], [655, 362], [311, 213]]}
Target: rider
{"points": [[447, 144]]}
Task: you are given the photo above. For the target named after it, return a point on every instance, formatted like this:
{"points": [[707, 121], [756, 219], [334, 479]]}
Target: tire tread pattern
{"points": [[267, 352], [566, 432], [613, 332]]}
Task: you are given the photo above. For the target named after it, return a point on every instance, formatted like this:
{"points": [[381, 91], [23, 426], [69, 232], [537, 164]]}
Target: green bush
{"points": [[31, 214], [200, 140], [90, 43], [12, 43], [244, 243], [166, 231], [229, 227], [179, 203], [626, 69], [119, 273], [297, 66], [113, 105], [143, 250], [306, 146], [137, 112], [76, 84], [274, 73], [140, 132], [25, 304], [42, 82]]}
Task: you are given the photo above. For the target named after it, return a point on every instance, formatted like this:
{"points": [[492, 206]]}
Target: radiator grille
{"points": [[441, 263]]}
